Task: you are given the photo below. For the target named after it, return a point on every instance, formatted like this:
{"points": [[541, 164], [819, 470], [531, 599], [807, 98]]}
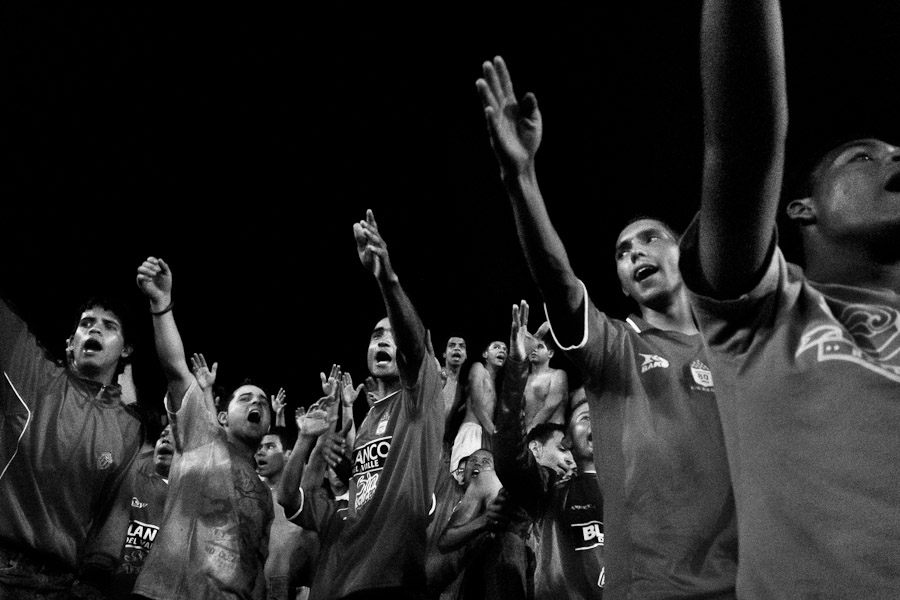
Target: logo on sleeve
{"points": [[652, 361], [702, 377]]}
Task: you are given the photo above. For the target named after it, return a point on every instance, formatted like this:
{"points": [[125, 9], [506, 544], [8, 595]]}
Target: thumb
{"points": [[529, 105], [359, 388]]}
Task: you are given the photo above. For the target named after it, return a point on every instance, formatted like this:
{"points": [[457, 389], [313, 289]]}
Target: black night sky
{"points": [[241, 142]]}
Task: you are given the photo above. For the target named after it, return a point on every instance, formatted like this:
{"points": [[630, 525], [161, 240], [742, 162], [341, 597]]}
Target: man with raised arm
{"points": [[397, 452], [669, 515], [807, 360], [213, 541], [67, 443]]}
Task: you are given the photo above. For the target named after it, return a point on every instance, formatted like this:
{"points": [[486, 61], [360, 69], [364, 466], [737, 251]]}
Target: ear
{"points": [[127, 350], [287, 454], [534, 446], [802, 211], [550, 352], [222, 418]]}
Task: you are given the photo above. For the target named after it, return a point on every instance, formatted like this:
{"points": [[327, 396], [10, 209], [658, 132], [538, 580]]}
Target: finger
{"points": [[503, 76], [490, 76], [215, 367], [370, 219], [529, 106], [359, 389], [523, 311], [323, 378], [488, 100]]}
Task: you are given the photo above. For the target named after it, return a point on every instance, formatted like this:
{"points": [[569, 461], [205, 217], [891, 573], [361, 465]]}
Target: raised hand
{"points": [[331, 383], [521, 343], [205, 375], [372, 250], [154, 279], [319, 418], [515, 128], [349, 394], [278, 405]]}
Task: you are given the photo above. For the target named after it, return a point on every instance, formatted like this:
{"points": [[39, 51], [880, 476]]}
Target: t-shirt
{"points": [[66, 446], [395, 458], [669, 515], [808, 382], [131, 532], [214, 538]]}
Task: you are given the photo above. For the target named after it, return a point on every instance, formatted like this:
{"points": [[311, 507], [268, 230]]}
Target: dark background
{"points": [[240, 143]]}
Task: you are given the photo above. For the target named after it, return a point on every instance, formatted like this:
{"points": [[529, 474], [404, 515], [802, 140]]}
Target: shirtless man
{"points": [[480, 403], [547, 388]]}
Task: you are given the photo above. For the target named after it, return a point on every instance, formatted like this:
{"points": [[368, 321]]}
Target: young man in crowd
{"points": [[63, 427], [215, 533], [808, 359], [660, 455]]}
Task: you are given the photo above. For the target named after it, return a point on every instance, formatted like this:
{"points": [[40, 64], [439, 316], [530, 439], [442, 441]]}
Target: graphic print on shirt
{"points": [[585, 525], [368, 461], [871, 340], [652, 361], [138, 542]]}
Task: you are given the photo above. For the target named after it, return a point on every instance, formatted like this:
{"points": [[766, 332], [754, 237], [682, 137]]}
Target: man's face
{"points": [[163, 452], [647, 262], [857, 192], [247, 417], [540, 354], [269, 456], [455, 353], [382, 352], [580, 433], [495, 354], [478, 461], [97, 343], [552, 453]]}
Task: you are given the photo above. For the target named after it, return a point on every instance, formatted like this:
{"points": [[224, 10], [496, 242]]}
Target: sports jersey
{"points": [[395, 460], [808, 382], [568, 515], [131, 533], [213, 542], [66, 446], [669, 515]]}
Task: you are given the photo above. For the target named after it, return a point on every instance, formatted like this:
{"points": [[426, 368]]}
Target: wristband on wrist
{"points": [[165, 310]]}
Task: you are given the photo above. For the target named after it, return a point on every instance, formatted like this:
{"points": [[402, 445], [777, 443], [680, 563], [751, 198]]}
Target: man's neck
{"points": [[586, 466], [674, 316], [540, 368], [452, 371], [858, 266], [386, 386], [273, 480]]}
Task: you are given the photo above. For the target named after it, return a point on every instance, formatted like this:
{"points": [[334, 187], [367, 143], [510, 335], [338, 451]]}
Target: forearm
{"points": [[314, 473], [409, 332], [456, 536], [745, 127], [170, 353], [289, 486], [544, 251]]}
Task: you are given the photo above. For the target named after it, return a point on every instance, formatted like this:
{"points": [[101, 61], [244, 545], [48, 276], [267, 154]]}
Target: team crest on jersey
{"points": [[382, 424], [702, 376], [652, 361], [871, 339], [104, 461], [135, 503]]}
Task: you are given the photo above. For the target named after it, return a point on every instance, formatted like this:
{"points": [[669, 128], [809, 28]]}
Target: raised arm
{"points": [[409, 333], [311, 424], [745, 126], [154, 278], [515, 131]]}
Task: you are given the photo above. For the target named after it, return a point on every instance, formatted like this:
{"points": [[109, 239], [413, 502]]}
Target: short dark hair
{"points": [[643, 217], [284, 436], [115, 305], [542, 432]]}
